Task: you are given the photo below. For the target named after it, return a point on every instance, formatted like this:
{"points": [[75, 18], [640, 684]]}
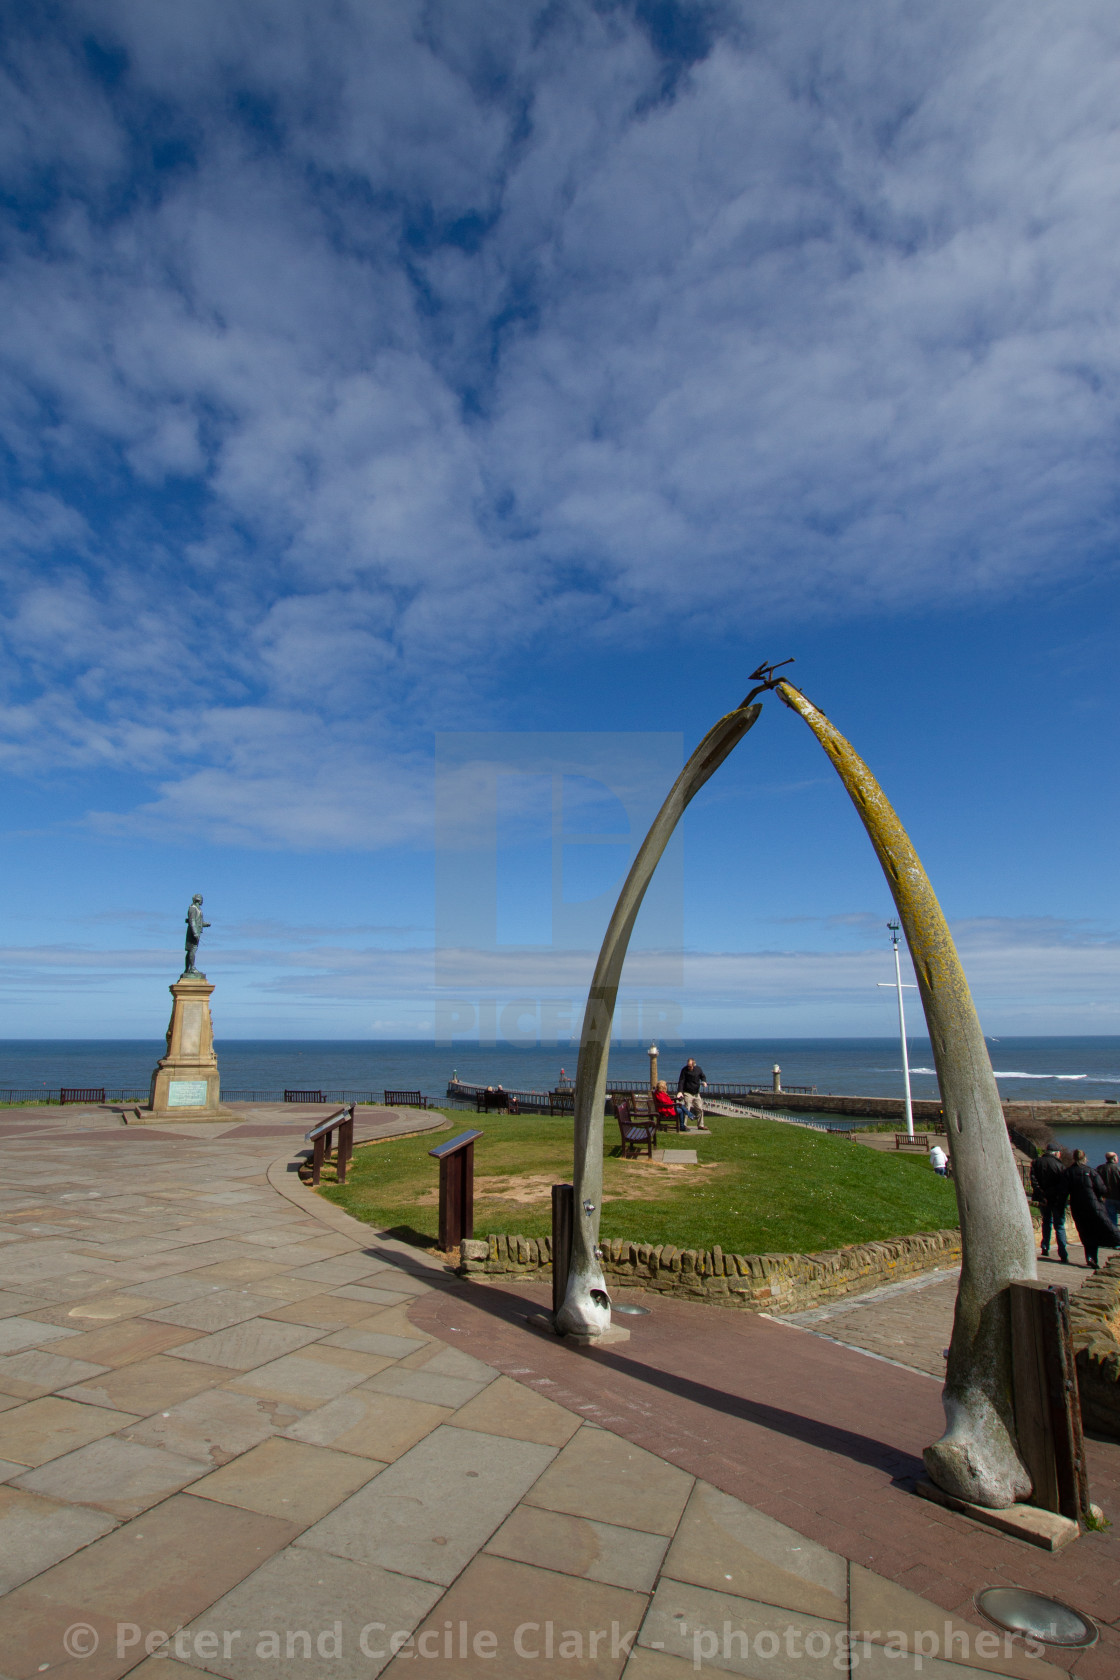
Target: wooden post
{"points": [[561, 1242], [1047, 1407], [316, 1159], [456, 1188]]}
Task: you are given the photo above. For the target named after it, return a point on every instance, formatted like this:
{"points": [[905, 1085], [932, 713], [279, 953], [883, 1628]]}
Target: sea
{"points": [[1026, 1069]]}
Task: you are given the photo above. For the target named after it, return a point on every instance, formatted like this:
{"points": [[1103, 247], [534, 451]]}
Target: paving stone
{"points": [[44, 1429], [193, 1551], [736, 1636], [540, 1622], [422, 1385], [28, 1375], [184, 1286], [879, 1607], [343, 1268], [508, 1408], [127, 1341], [325, 1312], [370, 1296], [244, 1269], [36, 1533], [17, 1333], [724, 1544], [213, 1427], [161, 1667], [307, 1379], [147, 1386], [103, 1309], [119, 1476], [601, 1476], [451, 1362], [394, 1321], [215, 1311], [621, 1557], [332, 1601], [373, 1425], [644, 1665], [286, 1478], [244, 1346], [428, 1513], [370, 1341]]}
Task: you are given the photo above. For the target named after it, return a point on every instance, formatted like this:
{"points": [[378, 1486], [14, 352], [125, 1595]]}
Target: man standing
{"points": [[1048, 1181], [1110, 1178], [195, 925], [688, 1086]]}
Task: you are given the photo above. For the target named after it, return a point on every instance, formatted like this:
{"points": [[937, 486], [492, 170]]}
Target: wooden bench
{"points": [[634, 1132], [920, 1140], [561, 1102], [81, 1094], [405, 1099], [304, 1096], [643, 1108]]}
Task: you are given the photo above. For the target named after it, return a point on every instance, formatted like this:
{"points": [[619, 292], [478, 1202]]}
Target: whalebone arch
{"points": [[977, 1457]]}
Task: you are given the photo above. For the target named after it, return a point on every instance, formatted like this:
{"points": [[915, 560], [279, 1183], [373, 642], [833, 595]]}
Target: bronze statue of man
{"points": [[195, 925]]}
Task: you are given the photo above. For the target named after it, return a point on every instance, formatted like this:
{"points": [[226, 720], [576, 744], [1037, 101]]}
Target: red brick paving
{"points": [[815, 1434]]}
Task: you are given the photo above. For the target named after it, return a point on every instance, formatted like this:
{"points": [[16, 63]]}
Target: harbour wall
{"points": [[928, 1110]]}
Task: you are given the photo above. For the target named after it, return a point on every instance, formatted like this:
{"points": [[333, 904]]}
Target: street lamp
{"points": [[894, 929], [653, 1067]]}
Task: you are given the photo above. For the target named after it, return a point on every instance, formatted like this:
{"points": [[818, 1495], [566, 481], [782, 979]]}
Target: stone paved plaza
{"points": [[245, 1435]]}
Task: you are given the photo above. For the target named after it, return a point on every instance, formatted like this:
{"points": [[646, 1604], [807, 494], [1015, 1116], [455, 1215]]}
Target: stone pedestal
{"points": [[186, 1084]]}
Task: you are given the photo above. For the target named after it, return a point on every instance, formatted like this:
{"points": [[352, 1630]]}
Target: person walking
{"points": [[1110, 1177], [1048, 1181], [689, 1081], [939, 1161], [1086, 1205]]}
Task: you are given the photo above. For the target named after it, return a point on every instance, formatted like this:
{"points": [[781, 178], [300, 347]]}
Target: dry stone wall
{"points": [[751, 1282], [1095, 1321]]}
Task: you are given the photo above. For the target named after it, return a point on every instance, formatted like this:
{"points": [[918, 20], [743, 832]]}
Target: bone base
{"points": [[546, 1326], [1026, 1522]]}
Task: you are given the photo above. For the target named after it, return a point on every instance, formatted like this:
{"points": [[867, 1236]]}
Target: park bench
{"points": [[634, 1132], [304, 1096], [81, 1094], [405, 1099], [561, 1102], [319, 1137], [642, 1108], [920, 1140]]}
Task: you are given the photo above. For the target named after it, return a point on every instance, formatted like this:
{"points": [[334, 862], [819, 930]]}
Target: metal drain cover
{"points": [[1033, 1617], [631, 1312]]}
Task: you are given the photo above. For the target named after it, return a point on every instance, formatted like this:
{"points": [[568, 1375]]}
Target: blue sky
{"points": [[377, 372]]}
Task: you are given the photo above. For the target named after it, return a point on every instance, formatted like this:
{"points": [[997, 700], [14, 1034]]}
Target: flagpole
{"points": [[893, 926]]}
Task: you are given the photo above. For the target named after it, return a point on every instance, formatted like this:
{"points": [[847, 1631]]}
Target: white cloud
{"points": [[442, 328]]}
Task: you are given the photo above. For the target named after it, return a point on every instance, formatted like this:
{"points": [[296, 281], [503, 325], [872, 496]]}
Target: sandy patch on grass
{"points": [[644, 1181]]}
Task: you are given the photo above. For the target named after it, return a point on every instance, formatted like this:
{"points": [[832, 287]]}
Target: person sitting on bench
{"points": [[666, 1109]]}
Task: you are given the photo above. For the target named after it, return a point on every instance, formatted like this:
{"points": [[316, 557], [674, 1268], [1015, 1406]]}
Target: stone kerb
{"points": [[750, 1282], [1095, 1321]]}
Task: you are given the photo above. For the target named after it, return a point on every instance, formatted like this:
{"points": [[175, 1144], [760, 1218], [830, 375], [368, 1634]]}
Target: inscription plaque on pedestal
{"points": [[186, 1093]]}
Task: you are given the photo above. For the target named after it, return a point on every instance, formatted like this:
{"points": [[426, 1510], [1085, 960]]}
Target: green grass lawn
{"points": [[759, 1187]]}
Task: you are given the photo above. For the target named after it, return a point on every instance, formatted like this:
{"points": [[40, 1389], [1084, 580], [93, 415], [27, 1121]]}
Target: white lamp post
{"points": [[893, 926]]}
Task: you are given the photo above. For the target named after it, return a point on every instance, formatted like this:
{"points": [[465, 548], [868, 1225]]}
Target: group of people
{"points": [[687, 1101], [1092, 1195]]}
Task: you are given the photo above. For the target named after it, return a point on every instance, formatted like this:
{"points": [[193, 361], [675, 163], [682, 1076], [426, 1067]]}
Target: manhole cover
{"points": [[1027, 1613]]}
